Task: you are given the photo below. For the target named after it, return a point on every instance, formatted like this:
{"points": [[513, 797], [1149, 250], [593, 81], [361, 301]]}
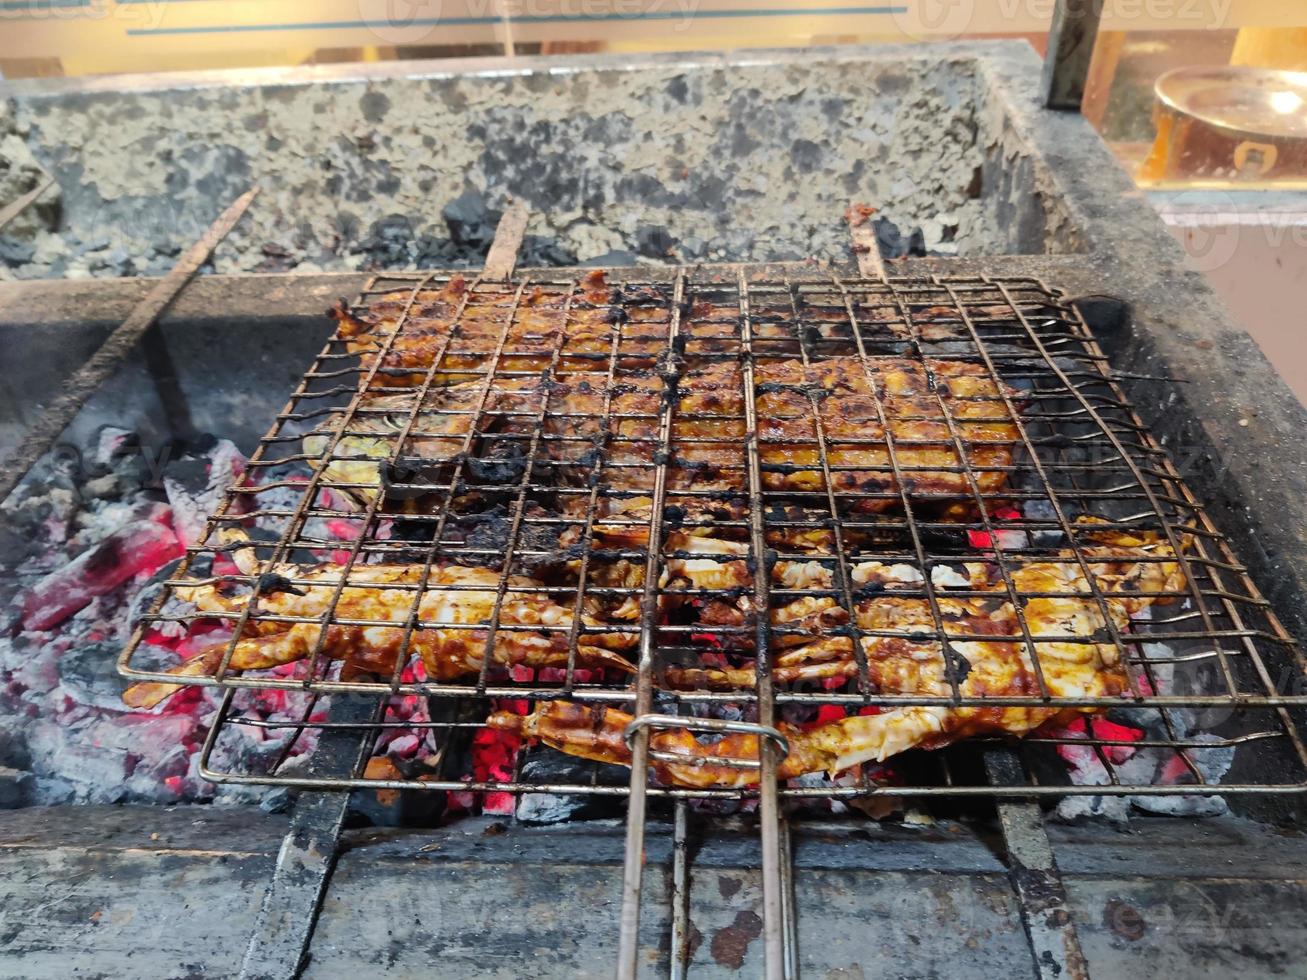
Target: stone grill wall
{"points": [[688, 161]]}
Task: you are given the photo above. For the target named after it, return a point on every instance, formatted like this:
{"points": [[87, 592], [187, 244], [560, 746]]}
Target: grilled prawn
{"points": [[456, 598], [987, 649]]}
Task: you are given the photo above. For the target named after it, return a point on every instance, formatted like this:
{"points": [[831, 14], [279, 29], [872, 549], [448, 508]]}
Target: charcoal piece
{"points": [[277, 800], [195, 485], [470, 220], [144, 600], [17, 788], [654, 241], [548, 766], [408, 478], [15, 252], [893, 244], [134, 548], [502, 462], [538, 251]]}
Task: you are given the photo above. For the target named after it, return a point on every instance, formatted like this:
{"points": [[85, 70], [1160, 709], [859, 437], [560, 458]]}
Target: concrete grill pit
{"points": [[674, 159], [1034, 188]]}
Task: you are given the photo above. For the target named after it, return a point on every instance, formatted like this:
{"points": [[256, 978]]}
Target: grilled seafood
{"points": [[460, 333], [456, 597], [708, 430], [591, 381], [907, 656], [1131, 570]]}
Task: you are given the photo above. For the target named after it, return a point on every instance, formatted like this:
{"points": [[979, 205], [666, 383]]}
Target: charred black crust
{"points": [[961, 665], [271, 583]]}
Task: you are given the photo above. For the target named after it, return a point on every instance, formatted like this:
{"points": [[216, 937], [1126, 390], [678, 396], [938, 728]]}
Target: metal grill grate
{"points": [[546, 438]]}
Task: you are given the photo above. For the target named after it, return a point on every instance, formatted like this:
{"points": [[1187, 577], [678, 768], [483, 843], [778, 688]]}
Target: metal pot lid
{"points": [[1248, 100]]}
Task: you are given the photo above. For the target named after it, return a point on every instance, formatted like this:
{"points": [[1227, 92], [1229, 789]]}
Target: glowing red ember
{"points": [[983, 539], [142, 546], [1102, 730]]}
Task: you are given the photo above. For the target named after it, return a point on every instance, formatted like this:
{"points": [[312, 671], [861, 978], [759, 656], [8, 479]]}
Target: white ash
{"points": [[1154, 766], [59, 688], [194, 500]]}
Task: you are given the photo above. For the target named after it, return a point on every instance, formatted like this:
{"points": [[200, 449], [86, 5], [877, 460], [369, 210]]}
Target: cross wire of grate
{"points": [[467, 497]]}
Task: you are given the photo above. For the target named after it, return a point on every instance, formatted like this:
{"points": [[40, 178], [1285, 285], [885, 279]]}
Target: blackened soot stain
{"points": [[105, 558], [869, 590], [730, 944], [270, 583], [503, 462], [961, 665], [730, 496]]}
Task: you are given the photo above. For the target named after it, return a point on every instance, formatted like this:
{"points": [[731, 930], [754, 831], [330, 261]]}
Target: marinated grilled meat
{"points": [[453, 617], [889, 426], [459, 331], [560, 391], [1069, 628], [372, 452], [587, 375]]}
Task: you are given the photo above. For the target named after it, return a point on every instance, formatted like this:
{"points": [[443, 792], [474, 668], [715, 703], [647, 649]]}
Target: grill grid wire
{"points": [[1081, 450]]}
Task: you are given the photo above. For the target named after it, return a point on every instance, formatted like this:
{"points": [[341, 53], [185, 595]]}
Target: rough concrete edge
{"points": [[363, 73]]}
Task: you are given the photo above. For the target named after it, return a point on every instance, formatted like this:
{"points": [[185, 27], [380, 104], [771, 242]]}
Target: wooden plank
{"points": [[865, 248], [502, 258]]}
